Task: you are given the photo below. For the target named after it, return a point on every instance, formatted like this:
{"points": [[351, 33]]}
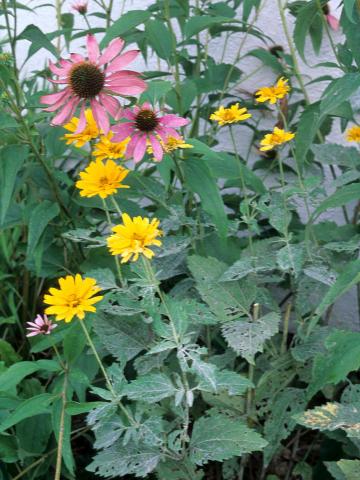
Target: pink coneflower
{"points": [[145, 126], [94, 79], [40, 326], [80, 7]]}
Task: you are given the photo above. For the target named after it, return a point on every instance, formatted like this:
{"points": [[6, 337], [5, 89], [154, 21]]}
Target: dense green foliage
{"points": [[222, 360]]}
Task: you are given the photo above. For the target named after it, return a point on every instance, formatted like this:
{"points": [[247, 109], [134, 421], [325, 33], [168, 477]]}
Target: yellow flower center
{"points": [[73, 300]]}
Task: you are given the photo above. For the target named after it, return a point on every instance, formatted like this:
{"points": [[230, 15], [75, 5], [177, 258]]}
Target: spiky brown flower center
{"points": [[146, 120], [44, 328], [86, 80]]}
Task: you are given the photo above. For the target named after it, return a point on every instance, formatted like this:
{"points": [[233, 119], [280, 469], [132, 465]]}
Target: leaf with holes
{"points": [[248, 338]]}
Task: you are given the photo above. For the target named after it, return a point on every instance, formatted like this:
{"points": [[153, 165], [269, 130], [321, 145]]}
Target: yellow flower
{"points": [[232, 114], [105, 148], [133, 237], [90, 131], [101, 179], [273, 93], [277, 137], [171, 144], [74, 297], [353, 134]]}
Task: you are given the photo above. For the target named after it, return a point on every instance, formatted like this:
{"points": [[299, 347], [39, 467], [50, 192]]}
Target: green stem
{"points": [[242, 181], [117, 263], [61, 429], [286, 328]]}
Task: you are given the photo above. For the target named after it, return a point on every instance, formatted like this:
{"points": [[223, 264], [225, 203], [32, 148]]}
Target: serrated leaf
{"points": [[341, 197], [279, 424], [333, 416], [248, 338], [150, 388], [341, 357], [226, 380], [130, 459], [227, 301], [220, 437], [333, 154], [338, 91], [40, 217], [124, 337]]}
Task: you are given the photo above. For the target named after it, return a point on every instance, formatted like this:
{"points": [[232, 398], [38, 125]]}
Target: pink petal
{"points": [[122, 131], [128, 74], [92, 48], [39, 321], [131, 145], [65, 63], [62, 72], [33, 325], [146, 106], [66, 113], [75, 57], [135, 87], [172, 120], [82, 120], [165, 132], [59, 82], [32, 334], [59, 103], [139, 149], [110, 103], [122, 61], [333, 22], [112, 50], [157, 148], [54, 97], [100, 116], [127, 113]]}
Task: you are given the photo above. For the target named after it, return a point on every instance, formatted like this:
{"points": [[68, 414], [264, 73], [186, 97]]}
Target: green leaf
{"points": [[349, 9], [40, 217], [156, 91], [199, 180], [226, 381], [350, 468], [199, 23], [12, 159], [279, 425], [338, 91], [308, 126], [28, 408], [120, 460], [159, 38], [333, 416], [306, 16], [341, 357], [7, 121], [126, 22], [124, 337], [221, 437], [248, 338], [349, 276], [341, 197], [227, 301], [14, 374], [333, 154], [38, 40], [150, 388], [74, 343]]}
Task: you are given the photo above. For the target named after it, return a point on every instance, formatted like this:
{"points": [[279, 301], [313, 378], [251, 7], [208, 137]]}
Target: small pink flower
{"points": [[146, 125], [40, 326], [94, 79], [332, 21], [80, 7]]}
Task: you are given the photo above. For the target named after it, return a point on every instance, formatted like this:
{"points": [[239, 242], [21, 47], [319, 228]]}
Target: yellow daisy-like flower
{"points": [[274, 93], [134, 237], [171, 144], [105, 148], [101, 179], [230, 115], [74, 297], [90, 132], [353, 134], [277, 137]]}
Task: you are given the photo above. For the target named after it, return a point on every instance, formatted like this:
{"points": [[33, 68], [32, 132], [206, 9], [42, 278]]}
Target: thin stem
{"points": [[103, 371], [242, 181], [286, 328], [116, 205], [117, 263], [61, 429]]}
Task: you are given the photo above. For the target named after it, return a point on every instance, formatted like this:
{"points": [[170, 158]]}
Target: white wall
{"points": [[345, 312]]}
